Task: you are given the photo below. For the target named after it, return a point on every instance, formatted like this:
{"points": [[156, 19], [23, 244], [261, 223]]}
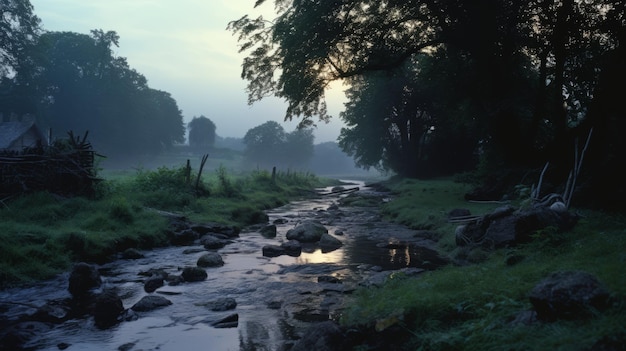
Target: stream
{"points": [[277, 298]]}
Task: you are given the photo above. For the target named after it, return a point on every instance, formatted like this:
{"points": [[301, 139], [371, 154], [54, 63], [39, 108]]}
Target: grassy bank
{"points": [[471, 307], [41, 234]]}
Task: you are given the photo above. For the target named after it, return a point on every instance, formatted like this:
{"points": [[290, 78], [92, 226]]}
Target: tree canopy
{"points": [[74, 82], [19, 29], [201, 132], [19, 32], [515, 82], [268, 145]]}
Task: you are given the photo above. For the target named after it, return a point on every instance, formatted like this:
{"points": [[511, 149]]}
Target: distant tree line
{"points": [[72, 81], [268, 145], [438, 87]]}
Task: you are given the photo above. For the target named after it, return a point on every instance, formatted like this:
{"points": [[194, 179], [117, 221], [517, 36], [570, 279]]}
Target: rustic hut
{"points": [[17, 135]]}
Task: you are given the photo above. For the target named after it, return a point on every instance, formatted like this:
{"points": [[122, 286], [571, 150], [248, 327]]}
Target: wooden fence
{"points": [[66, 168]]}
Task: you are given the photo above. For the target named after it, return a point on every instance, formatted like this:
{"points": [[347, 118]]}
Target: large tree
{"points": [[19, 31], [264, 144], [201, 133], [533, 68], [82, 86]]}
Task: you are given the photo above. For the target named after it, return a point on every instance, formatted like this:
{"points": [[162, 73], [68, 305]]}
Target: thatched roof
{"points": [[10, 132]]}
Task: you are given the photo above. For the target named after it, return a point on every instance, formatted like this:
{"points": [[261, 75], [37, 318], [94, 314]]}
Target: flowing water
{"points": [[277, 298]]}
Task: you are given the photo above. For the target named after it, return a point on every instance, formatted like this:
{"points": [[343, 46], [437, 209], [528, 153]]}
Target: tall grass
{"points": [[41, 234], [471, 307]]}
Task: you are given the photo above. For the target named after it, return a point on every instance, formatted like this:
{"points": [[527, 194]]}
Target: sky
{"points": [[182, 47]]}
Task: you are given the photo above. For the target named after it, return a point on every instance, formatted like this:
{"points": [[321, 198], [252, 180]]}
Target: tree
{"points": [[298, 148], [19, 32], [19, 29], [82, 86], [524, 62], [201, 132], [264, 144], [230, 143], [268, 145]]}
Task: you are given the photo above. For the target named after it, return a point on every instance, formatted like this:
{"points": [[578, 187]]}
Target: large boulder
{"points": [[194, 274], [153, 283], [210, 259], [568, 295], [83, 279], [108, 309], [507, 227], [272, 251], [212, 242], [291, 248], [307, 232], [329, 243]]}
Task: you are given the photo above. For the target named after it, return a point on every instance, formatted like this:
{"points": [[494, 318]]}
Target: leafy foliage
{"points": [[19, 29], [201, 132], [73, 81], [269, 145], [511, 82], [87, 88]]}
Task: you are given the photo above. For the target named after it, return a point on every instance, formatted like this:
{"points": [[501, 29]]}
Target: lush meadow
{"points": [[472, 307], [42, 234]]}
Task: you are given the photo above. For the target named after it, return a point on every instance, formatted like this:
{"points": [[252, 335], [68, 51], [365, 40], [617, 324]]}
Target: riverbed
{"points": [[277, 298]]}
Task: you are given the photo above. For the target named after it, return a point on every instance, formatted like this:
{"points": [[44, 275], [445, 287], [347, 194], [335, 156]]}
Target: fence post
{"points": [[274, 175]]}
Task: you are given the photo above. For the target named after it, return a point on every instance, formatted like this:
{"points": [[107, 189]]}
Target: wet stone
{"points": [[222, 304], [108, 309], [308, 231], [211, 242], [272, 251], [268, 231], [83, 279], [329, 243], [194, 274], [149, 303], [153, 283], [210, 259], [292, 248], [280, 221], [231, 321]]}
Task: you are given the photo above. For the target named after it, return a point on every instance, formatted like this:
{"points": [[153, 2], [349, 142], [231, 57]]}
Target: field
{"points": [[42, 234], [471, 307]]}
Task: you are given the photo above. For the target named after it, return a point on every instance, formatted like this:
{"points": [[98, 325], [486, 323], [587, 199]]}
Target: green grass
{"points": [[41, 234], [470, 307]]}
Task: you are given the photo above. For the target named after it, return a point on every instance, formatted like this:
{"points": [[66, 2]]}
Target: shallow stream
{"points": [[277, 298]]}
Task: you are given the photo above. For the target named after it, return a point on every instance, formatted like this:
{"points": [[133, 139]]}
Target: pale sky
{"points": [[183, 47]]}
